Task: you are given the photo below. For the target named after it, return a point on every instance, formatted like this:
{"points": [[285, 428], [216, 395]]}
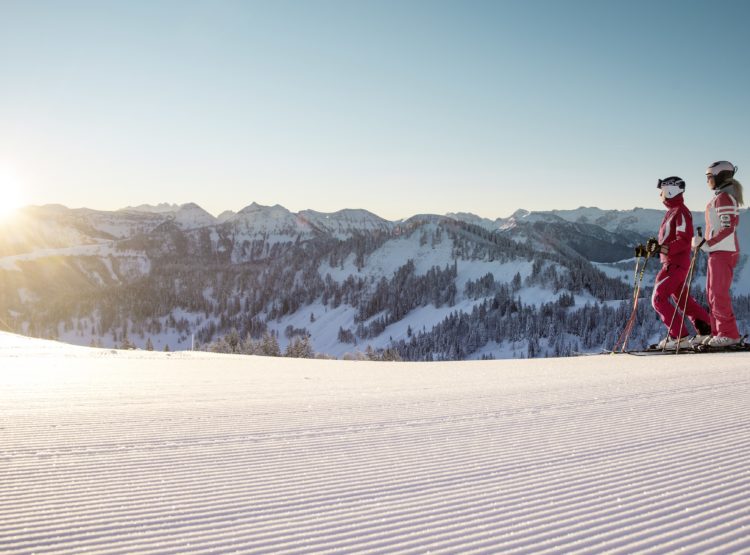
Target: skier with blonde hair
{"points": [[723, 248]]}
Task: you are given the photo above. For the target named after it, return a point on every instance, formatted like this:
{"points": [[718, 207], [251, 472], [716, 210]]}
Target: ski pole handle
{"points": [[698, 240]]}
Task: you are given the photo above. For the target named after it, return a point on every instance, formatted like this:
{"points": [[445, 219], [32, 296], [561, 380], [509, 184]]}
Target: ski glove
{"points": [[653, 246], [640, 250], [699, 242]]}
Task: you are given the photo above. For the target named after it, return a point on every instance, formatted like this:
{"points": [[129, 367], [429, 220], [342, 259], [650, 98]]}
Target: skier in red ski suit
{"points": [[722, 246], [673, 247]]}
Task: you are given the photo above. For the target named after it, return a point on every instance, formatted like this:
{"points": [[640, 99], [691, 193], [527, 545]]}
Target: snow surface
{"points": [[324, 330], [125, 452]]}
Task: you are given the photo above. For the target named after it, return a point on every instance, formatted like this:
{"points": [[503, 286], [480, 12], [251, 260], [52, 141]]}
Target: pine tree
{"points": [[269, 346], [126, 344], [391, 355], [249, 346], [300, 348], [233, 341]]}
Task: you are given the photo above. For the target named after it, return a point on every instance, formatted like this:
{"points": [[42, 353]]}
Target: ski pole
{"points": [[622, 340], [638, 256], [674, 314], [635, 273], [634, 315], [686, 285], [684, 290]]}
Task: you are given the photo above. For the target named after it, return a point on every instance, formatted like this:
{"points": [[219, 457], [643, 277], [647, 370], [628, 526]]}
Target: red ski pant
{"points": [[670, 288], [720, 273]]}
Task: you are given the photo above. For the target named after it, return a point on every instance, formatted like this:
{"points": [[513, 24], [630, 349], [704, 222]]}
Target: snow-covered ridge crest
{"points": [[640, 220], [186, 216], [259, 219], [279, 220], [192, 216], [161, 208], [275, 219], [344, 222]]}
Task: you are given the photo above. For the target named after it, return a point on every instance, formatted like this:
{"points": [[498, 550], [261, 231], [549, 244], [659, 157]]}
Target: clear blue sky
{"points": [[400, 107]]}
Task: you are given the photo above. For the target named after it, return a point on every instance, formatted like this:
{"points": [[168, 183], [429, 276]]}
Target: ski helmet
{"points": [[721, 171], [672, 186]]}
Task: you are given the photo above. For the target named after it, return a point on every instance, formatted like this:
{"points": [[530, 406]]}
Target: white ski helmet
{"points": [[720, 167], [671, 186]]}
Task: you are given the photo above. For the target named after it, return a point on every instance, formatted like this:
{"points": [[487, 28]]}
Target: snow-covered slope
{"points": [[124, 452], [225, 216]]}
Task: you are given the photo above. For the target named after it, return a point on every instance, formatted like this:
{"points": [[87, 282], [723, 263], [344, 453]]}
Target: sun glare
{"points": [[11, 192]]}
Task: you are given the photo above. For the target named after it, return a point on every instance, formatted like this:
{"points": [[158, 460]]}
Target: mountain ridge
{"points": [[444, 286]]}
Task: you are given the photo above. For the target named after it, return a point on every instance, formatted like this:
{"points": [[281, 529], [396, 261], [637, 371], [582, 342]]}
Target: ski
{"points": [[591, 353], [742, 346], [652, 350], [643, 352]]}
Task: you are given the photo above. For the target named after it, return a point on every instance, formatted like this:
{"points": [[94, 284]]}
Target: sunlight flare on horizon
{"points": [[12, 195]]}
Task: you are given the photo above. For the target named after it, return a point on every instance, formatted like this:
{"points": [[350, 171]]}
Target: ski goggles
{"points": [[671, 182]]}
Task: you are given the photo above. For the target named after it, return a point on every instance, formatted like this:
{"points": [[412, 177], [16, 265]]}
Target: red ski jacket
{"points": [[676, 232]]}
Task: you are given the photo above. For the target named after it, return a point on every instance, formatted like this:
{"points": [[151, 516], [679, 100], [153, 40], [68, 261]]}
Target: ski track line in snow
{"points": [[142, 501], [148, 454], [265, 512]]}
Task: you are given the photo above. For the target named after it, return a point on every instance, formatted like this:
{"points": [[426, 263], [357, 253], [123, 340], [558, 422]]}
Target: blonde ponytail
{"points": [[734, 188]]}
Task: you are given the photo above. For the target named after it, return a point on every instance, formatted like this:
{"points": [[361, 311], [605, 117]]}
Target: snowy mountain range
{"points": [[638, 220], [429, 286]]}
